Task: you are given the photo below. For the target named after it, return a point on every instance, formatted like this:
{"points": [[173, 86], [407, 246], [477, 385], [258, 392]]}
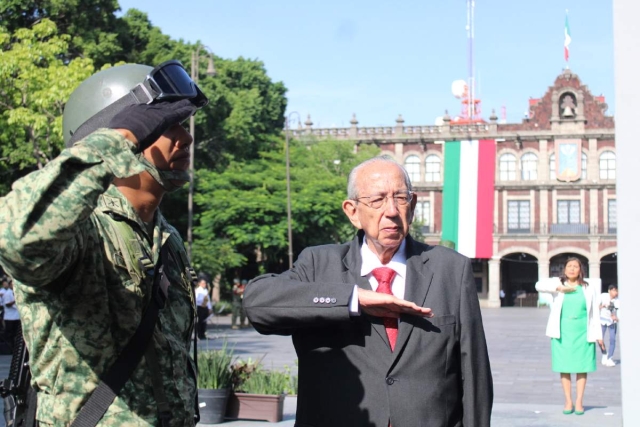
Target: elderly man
{"points": [[387, 330]]}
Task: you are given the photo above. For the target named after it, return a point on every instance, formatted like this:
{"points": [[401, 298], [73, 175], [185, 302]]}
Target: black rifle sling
{"points": [[104, 395]]}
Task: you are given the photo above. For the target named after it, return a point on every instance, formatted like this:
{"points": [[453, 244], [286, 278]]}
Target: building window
{"points": [[529, 167], [608, 165], [423, 216], [518, 216], [583, 166], [568, 211], [412, 165], [507, 167], [432, 170], [613, 216]]}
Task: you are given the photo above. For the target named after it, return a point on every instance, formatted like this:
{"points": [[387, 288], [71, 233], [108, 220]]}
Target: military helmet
{"points": [[98, 92]]}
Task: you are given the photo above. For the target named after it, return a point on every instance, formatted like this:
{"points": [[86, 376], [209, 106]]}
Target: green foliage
{"points": [[214, 255], [448, 244], [214, 368], [251, 377], [245, 113], [35, 85], [92, 25], [222, 307], [416, 230], [247, 203]]}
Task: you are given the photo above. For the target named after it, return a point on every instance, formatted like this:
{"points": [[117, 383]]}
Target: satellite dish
{"points": [[439, 121], [459, 88]]}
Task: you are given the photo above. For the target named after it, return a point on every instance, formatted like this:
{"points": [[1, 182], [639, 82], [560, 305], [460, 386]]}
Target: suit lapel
{"points": [[417, 284]]}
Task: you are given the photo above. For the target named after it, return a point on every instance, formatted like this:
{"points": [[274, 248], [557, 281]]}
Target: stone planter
{"points": [[249, 406]]}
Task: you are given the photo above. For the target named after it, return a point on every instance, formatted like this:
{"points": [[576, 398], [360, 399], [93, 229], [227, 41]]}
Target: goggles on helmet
{"points": [[170, 81]]}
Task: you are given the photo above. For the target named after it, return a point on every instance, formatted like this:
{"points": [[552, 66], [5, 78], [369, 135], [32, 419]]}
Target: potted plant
{"points": [[214, 383], [258, 394]]}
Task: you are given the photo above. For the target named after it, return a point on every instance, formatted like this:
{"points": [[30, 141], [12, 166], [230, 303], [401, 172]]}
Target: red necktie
{"points": [[384, 276]]}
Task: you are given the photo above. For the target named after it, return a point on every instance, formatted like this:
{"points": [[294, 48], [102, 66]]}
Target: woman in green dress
{"points": [[574, 328]]}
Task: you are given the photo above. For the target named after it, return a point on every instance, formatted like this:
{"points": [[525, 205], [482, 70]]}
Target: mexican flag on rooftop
{"points": [[467, 208]]}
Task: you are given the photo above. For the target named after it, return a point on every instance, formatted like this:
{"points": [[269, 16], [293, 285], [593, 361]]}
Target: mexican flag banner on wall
{"points": [[467, 208]]}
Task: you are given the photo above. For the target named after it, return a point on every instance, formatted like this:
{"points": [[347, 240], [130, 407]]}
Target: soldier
{"points": [[80, 237], [237, 311]]}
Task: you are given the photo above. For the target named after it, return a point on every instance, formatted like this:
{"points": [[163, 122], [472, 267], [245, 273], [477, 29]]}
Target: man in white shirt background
{"points": [[3, 289], [203, 306], [609, 305], [11, 315]]}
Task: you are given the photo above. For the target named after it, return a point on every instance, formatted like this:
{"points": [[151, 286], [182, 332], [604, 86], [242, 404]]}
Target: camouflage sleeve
{"points": [[43, 217]]}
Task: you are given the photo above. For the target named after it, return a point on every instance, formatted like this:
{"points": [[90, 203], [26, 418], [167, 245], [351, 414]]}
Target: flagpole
{"points": [[567, 38]]}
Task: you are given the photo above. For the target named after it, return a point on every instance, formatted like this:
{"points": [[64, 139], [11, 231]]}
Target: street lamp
{"points": [[195, 68], [286, 148]]}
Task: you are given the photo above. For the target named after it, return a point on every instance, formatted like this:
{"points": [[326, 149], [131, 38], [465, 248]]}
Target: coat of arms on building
{"points": [[569, 159]]}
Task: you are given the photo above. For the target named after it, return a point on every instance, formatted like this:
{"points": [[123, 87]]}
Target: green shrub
{"points": [[214, 368], [222, 308], [251, 377]]}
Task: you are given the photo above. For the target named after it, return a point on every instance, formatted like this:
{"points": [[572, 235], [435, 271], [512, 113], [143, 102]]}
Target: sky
{"points": [[379, 59]]}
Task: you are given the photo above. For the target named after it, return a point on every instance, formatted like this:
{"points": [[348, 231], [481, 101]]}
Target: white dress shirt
{"points": [[10, 312], [201, 293], [370, 261]]}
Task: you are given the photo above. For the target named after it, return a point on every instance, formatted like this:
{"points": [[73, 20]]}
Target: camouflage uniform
{"points": [[80, 299]]}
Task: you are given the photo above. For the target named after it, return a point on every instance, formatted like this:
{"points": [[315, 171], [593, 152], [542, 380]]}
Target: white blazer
{"points": [[591, 295]]}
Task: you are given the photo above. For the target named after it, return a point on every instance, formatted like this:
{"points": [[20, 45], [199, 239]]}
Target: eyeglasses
{"points": [[380, 201], [170, 82]]}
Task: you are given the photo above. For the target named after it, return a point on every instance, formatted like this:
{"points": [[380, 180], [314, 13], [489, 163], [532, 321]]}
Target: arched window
{"points": [[529, 167], [552, 166], [432, 168], [608, 165], [412, 165], [583, 166], [507, 167]]}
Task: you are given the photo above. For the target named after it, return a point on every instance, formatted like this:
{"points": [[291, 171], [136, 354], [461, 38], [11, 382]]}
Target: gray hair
{"points": [[352, 192]]}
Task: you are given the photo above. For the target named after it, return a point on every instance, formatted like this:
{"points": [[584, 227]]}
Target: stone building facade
{"points": [[555, 188]]}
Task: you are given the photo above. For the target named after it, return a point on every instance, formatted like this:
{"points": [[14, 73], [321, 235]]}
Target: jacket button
{"points": [[333, 300], [315, 300], [390, 380], [321, 300]]}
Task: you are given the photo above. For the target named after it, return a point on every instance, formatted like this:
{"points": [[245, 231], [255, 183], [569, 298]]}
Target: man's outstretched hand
{"points": [[385, 305]]}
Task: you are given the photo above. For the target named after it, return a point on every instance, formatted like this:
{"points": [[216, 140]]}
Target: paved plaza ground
{"points": [[527, 393]]}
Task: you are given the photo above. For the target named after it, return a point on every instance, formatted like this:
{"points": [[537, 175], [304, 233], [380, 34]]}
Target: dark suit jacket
{"points": [[439, 373]]}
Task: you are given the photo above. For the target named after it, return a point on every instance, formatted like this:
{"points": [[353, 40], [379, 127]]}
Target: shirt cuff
{"points": [[354, 306]]}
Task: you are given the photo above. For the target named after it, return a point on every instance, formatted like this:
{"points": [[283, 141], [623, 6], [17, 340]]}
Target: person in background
{"points": [[11, 315], [203, 306], [609, 322], [237, 311], [574, 329], [3, 289], [387, 329]]}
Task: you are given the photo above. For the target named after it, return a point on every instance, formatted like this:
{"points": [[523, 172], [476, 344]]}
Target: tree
{"points": [[92, 24], [246, 204], [245, 116], [35, 85]]}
